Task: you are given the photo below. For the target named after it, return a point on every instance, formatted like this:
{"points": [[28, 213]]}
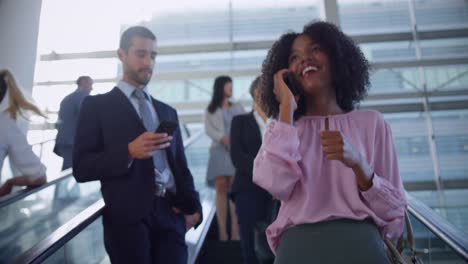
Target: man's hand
{"points": [[190, 220], [145, 144]]}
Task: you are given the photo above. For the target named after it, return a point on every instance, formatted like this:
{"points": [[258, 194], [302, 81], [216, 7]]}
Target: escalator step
{"points": [[215, 252]]}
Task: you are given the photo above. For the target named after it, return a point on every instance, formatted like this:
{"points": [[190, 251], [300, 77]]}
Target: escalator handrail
{"points": [[208, 218], [439, 226], [53, 242], [16, 196]]}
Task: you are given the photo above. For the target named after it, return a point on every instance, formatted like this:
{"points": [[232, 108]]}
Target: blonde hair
{"points": [[18, 103]]}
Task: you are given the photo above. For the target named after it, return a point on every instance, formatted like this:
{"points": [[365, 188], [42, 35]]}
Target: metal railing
{"points": [[20, 194], [439, 226], [48, 246], [16, 196]]}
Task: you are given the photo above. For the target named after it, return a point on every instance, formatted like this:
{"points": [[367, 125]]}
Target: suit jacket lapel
{"points": [[160, 110], [122, 101]]}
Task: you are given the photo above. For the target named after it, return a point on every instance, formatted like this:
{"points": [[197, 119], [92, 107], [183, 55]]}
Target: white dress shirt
{"points": [[128, 89], [261, 124]]}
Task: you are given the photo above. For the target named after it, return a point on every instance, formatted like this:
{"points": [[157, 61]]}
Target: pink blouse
{"points": [[291, 166]]}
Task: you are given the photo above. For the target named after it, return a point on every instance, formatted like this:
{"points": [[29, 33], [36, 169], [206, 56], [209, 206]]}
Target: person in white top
{"points": [[13, 142]]}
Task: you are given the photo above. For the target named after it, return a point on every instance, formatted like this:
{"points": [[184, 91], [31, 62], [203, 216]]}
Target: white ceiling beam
{"points": [[187, 75], [264, 44], [425, 62], [329, 9]]}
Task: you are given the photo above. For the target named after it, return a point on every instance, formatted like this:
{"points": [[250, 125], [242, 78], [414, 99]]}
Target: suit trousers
{"points": [[251, 207], [157, 238]]}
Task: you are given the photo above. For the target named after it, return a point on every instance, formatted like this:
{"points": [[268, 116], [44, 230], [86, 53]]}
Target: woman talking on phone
{"points": [[333, 167]]}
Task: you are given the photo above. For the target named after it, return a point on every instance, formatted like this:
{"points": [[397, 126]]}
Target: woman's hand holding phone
{"points": [[287, 101]]}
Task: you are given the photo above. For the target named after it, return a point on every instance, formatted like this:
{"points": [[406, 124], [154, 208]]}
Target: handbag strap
{"points": [[409, 238], [409, 233], [393, 254]]}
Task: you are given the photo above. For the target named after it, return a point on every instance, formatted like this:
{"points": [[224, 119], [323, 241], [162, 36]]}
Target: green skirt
{"points": [[335, 242]]}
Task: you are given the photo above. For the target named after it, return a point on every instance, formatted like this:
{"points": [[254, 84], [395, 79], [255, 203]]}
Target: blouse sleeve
{"points": [[276, 167], [21, 154], [386, 197]]}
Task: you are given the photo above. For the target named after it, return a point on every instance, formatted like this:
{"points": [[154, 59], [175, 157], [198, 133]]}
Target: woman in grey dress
{"points": [[220, 172]]}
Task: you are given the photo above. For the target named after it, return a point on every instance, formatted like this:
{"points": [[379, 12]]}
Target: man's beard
{"points": [[136, 78]]}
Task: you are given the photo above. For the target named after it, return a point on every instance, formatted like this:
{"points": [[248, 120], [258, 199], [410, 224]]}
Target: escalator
{"points": [[31, 215], [76, 235], [60, 222]]}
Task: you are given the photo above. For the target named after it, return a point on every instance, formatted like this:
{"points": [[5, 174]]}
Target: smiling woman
{"points": [[328, 47], [333, 168]]}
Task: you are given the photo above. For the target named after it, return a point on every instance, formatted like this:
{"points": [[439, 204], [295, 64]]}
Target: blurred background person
{"points": [[13, 142], [253, 204], [220, 171], [68, 119]]}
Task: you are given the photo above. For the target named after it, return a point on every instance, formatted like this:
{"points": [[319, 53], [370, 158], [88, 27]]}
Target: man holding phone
{"points": [[146, 185]]}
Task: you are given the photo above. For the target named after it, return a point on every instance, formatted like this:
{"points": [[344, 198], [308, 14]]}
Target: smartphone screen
{"points": [[167, 127]]}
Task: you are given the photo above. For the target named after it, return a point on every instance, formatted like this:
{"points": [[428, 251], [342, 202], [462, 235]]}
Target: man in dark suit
{"points": [[253, 204], [68, 118], [145, 182]]}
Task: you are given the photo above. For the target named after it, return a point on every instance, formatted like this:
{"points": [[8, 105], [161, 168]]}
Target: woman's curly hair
{"points": [[349, 68]]}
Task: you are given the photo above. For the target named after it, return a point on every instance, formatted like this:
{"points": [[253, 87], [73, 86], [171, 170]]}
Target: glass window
{"points": [[373, 16], [441, 14], [412, 146], [254, 20], [380, 16]]}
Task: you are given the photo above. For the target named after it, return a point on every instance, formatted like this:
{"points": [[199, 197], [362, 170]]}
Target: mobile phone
{"points": [[292, 84], [168, 127]]}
